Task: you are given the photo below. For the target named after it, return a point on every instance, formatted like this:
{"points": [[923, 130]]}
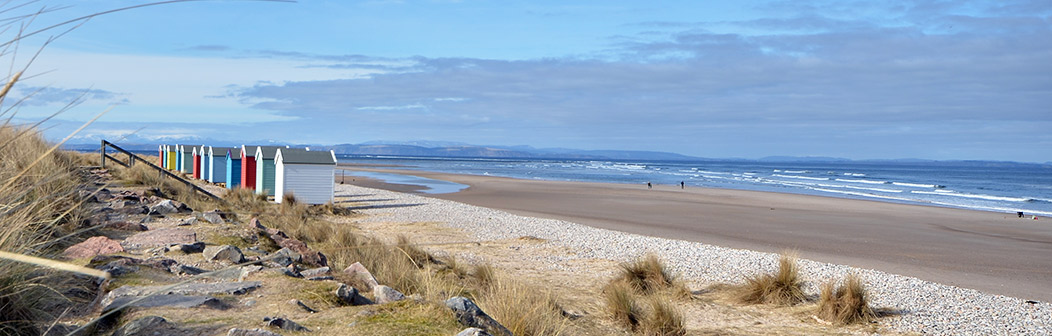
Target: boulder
{"points": [[160, 237], [315, 272], [308, 256], [250, 332], [197, 247], [224, 253], [283, 323], [187, 222], [471, 315], [473, 332], [186, 270], [214, 217], [117, 268], [361, 274], [254, 222], [349, 296], [384, 294], [299, 304], [92, 247], [222, 288], [168, 206]]}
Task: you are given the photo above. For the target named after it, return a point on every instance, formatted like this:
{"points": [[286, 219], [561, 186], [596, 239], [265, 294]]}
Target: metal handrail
{"points": [[131, 161]]}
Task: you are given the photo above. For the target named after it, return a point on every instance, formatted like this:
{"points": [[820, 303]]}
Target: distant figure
{"points": [[681, 185], [650, 186], [1020, 213]]}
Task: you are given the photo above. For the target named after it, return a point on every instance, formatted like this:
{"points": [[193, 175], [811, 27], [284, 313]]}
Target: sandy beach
{"points": [[991, 252]]}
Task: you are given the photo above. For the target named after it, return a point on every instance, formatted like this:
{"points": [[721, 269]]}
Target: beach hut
{"points": [[178, 157], [216, 171], [233, 168], [186, 159], [169, 157], [203, 166], [195, 170], [160, 155], [265, 169], [309, 176], [248, 166]]}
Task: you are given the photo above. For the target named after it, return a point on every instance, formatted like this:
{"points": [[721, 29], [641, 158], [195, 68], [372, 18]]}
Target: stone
{"points": [[129, 207], [361, 274], [224, 253], [284, 257], [473, 332], [222, 288], [126, 225], [308, 256], [92, 247], [214, 217], [471, 315], [187, 222], [149, 325], [302, 305], [319, 278], [384, 294], [250, 332], [116, 268], [254, 222], [314, 272], [246, 270], [197, 247], [349, 296], [169, 301], [186, 270], [283, 323], [160, 238], [164, 207]]}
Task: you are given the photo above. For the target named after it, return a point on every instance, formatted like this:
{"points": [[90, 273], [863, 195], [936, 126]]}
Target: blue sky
{"points": [[855, 79]]}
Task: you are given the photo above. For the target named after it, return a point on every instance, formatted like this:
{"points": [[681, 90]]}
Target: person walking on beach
{"points": [[681, 185], [650, 186]]}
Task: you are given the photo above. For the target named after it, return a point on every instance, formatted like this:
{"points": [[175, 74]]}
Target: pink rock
{"points": [[359, 272], [92, 247], [160, 237]]}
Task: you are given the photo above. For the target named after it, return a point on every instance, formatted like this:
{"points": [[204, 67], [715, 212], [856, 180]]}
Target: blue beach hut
{"points": [[233, 168], [202, 152], [216, 172]]}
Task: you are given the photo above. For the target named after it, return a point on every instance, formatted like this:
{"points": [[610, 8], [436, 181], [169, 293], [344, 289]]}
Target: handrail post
{"points": [[102, 150]]}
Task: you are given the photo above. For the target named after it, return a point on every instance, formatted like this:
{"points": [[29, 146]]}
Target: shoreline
{"points": [[987, 251]]}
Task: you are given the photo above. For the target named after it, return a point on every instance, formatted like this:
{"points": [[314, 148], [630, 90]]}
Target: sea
{"points": [[998, 187]]}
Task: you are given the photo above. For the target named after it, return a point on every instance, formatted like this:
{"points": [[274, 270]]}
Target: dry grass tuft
{"points": [[782, 288], [663, 319], [649, 275], [847, 304], [484, 274], [620, 301], [525, 310]]}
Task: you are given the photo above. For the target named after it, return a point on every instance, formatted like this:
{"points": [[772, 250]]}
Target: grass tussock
{"points": [[663, 319], [649, 275], [785, 287], [524, 309], [847, 303], [621, 303], [38, 202]]}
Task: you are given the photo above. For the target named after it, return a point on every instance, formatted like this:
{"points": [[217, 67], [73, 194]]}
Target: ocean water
{"points": [[1005, 188]]}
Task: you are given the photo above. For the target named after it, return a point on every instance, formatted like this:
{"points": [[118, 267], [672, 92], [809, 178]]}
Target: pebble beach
{"points": [[915, 305]]}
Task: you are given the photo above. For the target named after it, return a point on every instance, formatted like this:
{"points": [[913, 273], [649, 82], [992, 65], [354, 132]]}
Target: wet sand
{"points": [[992, 252]]}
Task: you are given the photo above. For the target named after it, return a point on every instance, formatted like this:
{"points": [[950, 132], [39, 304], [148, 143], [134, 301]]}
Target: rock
{"points": [[186, 270], [315, 272], [160, 237], [384, 294], [349, 296], [471, 315], [126, 225], [254, 222], [361, 274], [164, 207], [224, 253], [169, 301], [197, 247], [188, 222], [473, 332], [222, 288], [320, 278], [129, 207], [89, 196], [116, 268], [308, 256], [92, 247], [250, 332], [302, 305], [283, 323], [213, 217], [246, 270], [284, 257], [149, 325]]}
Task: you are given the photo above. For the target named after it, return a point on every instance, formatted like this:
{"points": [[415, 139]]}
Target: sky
{"points": [[931, 79]]}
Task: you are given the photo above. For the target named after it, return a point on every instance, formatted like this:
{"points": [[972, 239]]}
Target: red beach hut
{"points": [[197, 164], [248, 166]]}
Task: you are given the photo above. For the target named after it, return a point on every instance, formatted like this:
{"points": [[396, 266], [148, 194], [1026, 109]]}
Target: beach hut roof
{"points": [[235, 152], [269, 151], [301, 156], [249, 150], [187, 149], [219, 150]]}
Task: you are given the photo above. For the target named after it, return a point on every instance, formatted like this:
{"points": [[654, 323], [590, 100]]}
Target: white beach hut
{"points": [[265, 169], [309, 176]]}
